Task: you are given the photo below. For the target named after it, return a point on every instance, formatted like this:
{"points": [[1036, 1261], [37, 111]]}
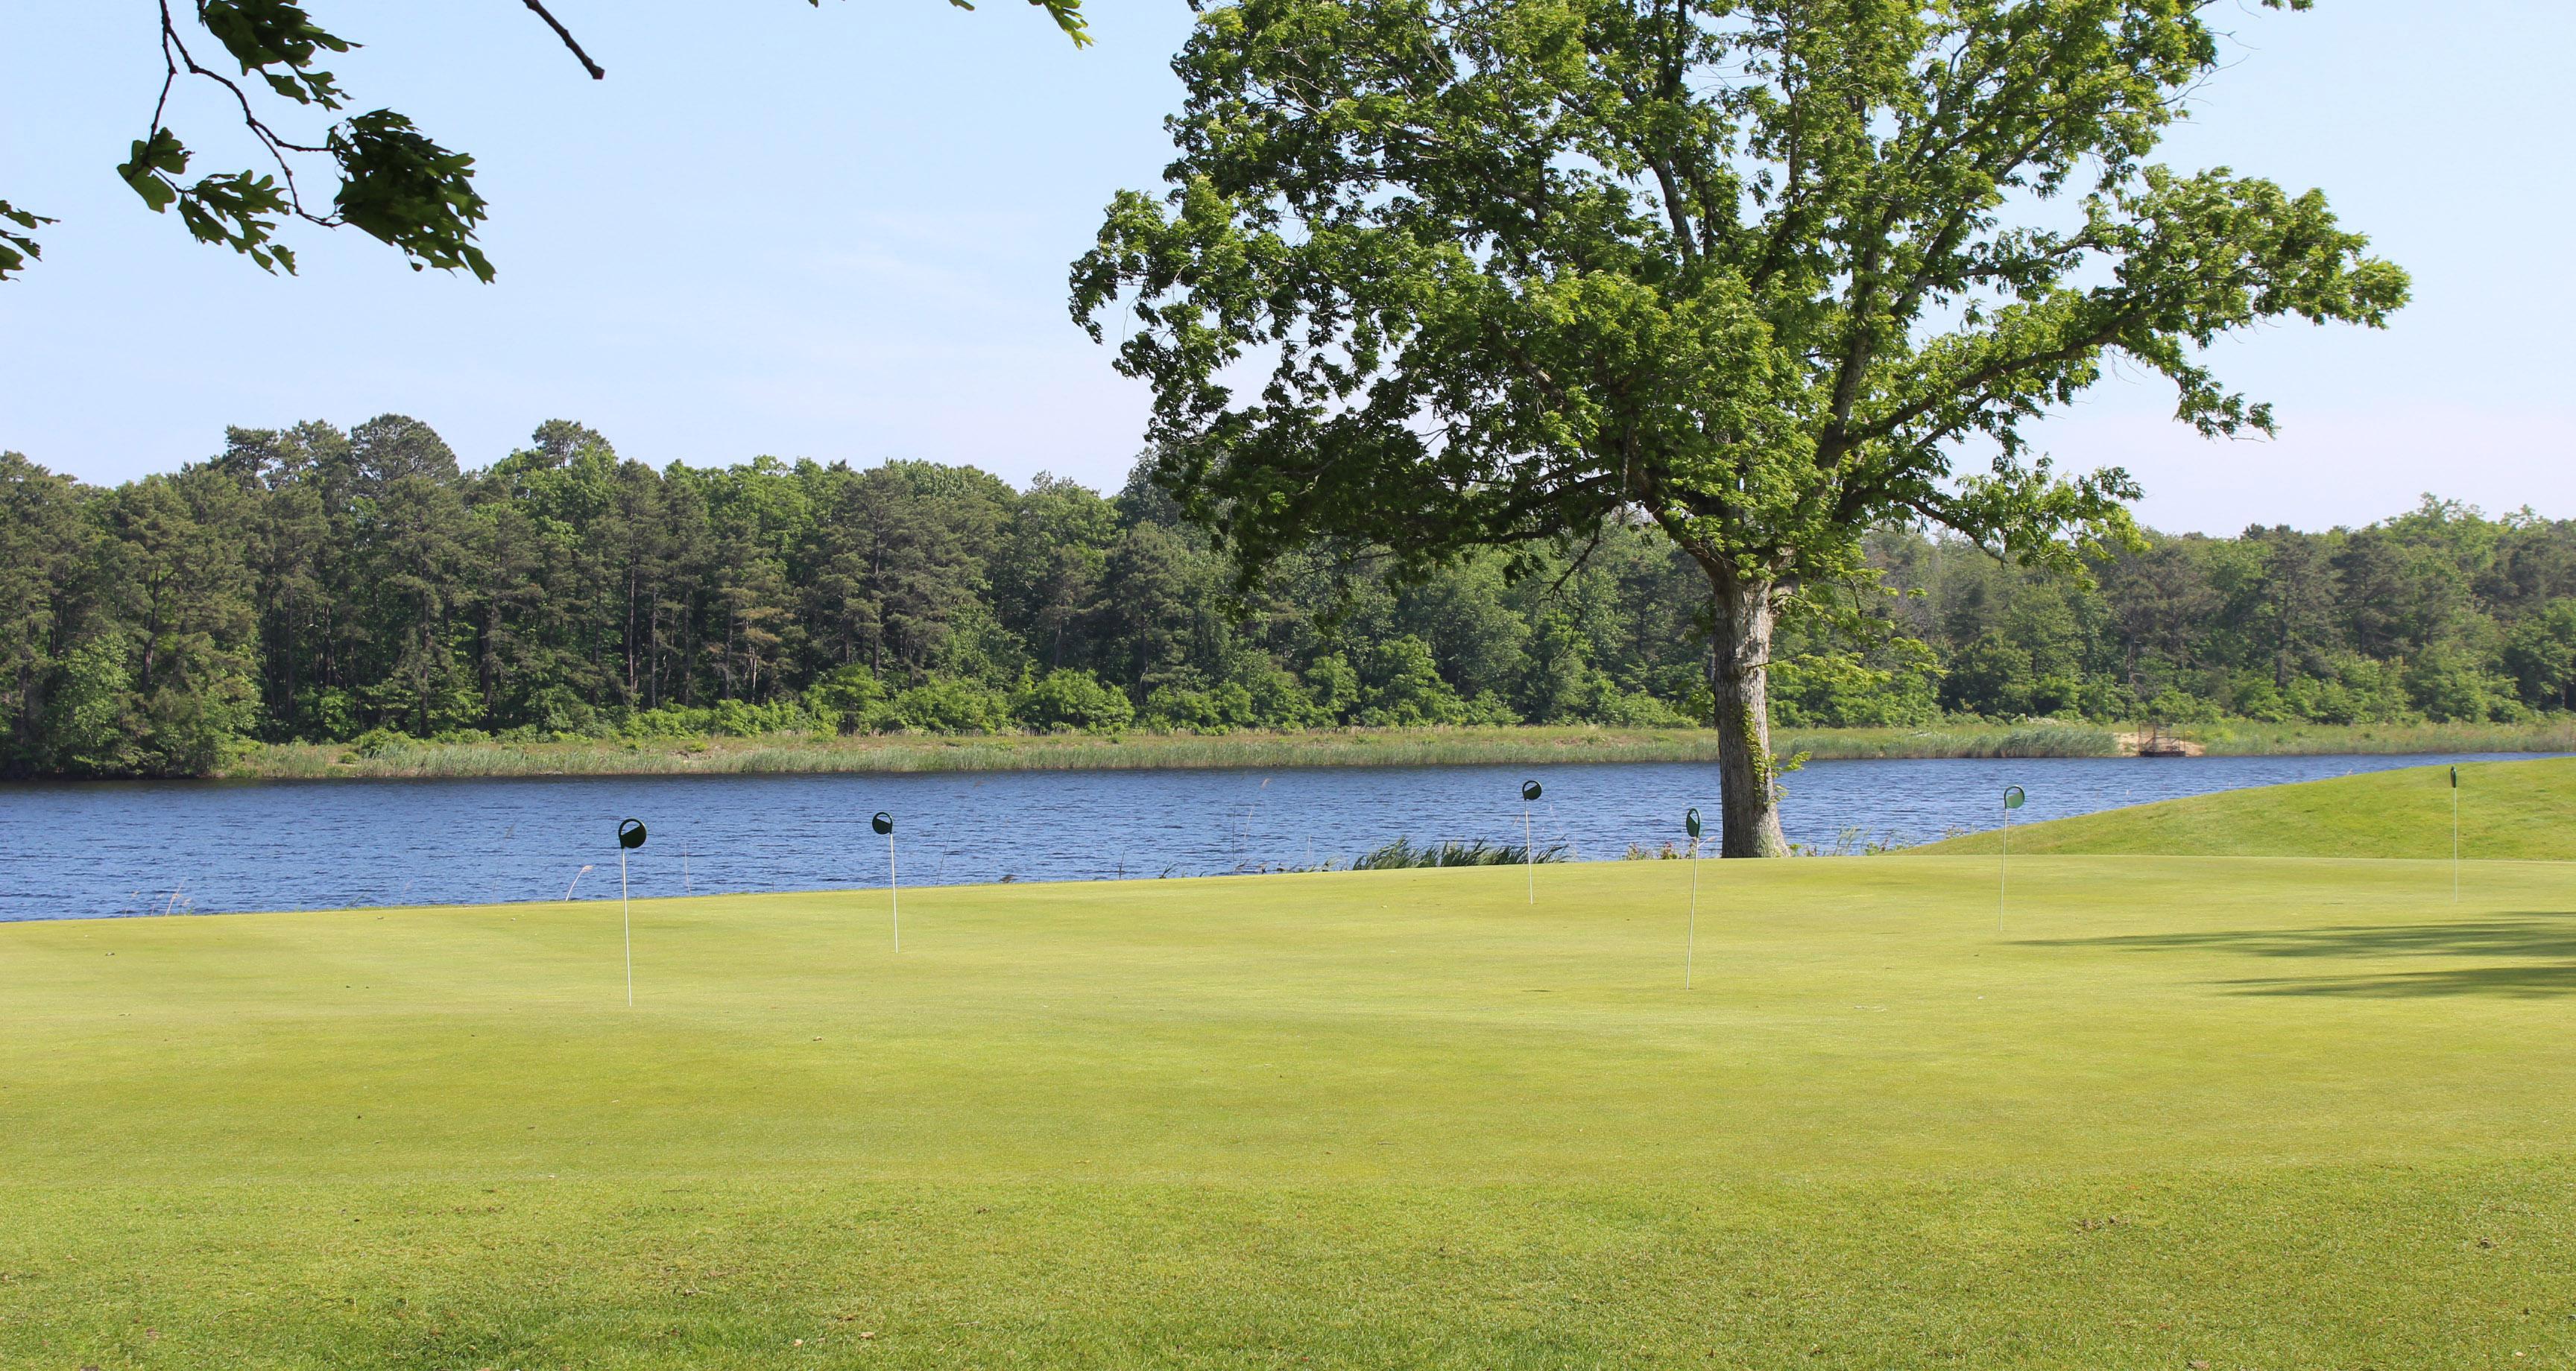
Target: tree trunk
{"points": [[1739, 676]]}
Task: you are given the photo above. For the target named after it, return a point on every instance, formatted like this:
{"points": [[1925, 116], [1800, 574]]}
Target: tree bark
{"points": [[1739, 676]]}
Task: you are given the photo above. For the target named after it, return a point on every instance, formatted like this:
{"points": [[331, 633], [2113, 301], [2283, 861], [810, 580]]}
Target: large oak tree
{"points": [[1435, 274]]}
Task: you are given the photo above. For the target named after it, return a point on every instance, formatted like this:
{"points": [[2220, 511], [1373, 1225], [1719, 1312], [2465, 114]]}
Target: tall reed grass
{"points": [[2240, 738], [2045, 738], [1402, 854], [1068, 752], [809, 754]]}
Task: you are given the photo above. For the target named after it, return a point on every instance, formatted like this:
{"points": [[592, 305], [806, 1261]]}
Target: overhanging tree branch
{"points": [[597, 73]]}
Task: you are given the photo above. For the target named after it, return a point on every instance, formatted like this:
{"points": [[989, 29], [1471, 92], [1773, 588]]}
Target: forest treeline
{"points": [[317, 584]]}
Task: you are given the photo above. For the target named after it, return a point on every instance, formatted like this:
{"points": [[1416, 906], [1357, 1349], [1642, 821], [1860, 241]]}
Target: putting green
{"points": [[2242, 1112], [2519, 810]]}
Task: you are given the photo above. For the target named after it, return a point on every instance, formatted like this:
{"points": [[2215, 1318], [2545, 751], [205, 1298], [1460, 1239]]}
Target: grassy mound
{"points": [[2245, 1113], [2520, 810]]}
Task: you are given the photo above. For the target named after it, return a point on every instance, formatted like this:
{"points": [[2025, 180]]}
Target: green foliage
{"points": [[723, 719], [2540, 656], [17, 248], [196, 728], [1070, 701], [948, 705], [739, 719], [280, 41], [847, 697], [1622, 709], [1066, 13], [2449, 685], [2439, 614], [1770, 277], [405, 190], [236, 209], [376, 742], [314, 584], [1217, 709], [90, 731], [1406, 690], [1334, 685], [1840, 689]]}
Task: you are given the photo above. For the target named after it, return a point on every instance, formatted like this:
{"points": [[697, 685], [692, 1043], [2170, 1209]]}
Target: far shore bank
{"points": [[808, 754]]}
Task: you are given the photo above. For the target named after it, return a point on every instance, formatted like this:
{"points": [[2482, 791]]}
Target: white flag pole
{"points": [[1690, 936], [628, 912], [884, 823], [2455, 835], [2003, 859], [630, 835], [1529, 842], [1690, 939]]}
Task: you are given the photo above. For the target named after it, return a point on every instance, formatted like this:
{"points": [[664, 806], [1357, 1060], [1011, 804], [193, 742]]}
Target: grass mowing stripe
{"points": [[2325, 1266]]}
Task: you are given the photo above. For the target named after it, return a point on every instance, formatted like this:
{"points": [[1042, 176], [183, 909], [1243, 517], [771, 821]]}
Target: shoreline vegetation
{"points": [[814, 754], [315, 594]]}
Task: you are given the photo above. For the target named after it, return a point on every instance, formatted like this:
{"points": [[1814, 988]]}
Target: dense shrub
{"points": [[1839, 689], [1072, 701], [948, 705], [848, 698]]}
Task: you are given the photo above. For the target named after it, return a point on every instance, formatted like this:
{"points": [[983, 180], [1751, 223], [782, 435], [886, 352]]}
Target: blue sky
{"points": [[843, 234]]}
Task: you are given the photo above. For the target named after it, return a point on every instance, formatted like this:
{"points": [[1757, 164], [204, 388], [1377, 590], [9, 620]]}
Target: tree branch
{"points": [[1972, 387], [597, 73], [269, 138]]}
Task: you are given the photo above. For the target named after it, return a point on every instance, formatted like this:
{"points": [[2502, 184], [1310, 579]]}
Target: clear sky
{"points": [[843, 234]]}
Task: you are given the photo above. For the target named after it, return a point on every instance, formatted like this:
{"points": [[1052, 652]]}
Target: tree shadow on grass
{"points": [[2540, 943], [2528, 982]]}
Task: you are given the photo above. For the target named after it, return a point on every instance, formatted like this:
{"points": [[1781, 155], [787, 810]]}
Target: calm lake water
{"points": [[74, 851]]}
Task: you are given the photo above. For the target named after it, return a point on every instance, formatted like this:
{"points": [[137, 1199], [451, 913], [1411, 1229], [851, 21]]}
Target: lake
{"points": [[97, 849]]}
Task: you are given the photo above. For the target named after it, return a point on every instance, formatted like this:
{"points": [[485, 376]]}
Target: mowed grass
{"points": [[2268, 1114], [2515, 810]]}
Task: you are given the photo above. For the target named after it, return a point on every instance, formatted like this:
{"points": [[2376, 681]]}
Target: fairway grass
{"points": [[2247, 1113], [2517, 810]]}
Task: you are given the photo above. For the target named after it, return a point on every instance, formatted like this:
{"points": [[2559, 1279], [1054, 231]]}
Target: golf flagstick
{"points": [[2003, 862], [630, 835], [2455, 835], [1529, 847], [884, 823], [1690, 937], [1243, 849]]}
